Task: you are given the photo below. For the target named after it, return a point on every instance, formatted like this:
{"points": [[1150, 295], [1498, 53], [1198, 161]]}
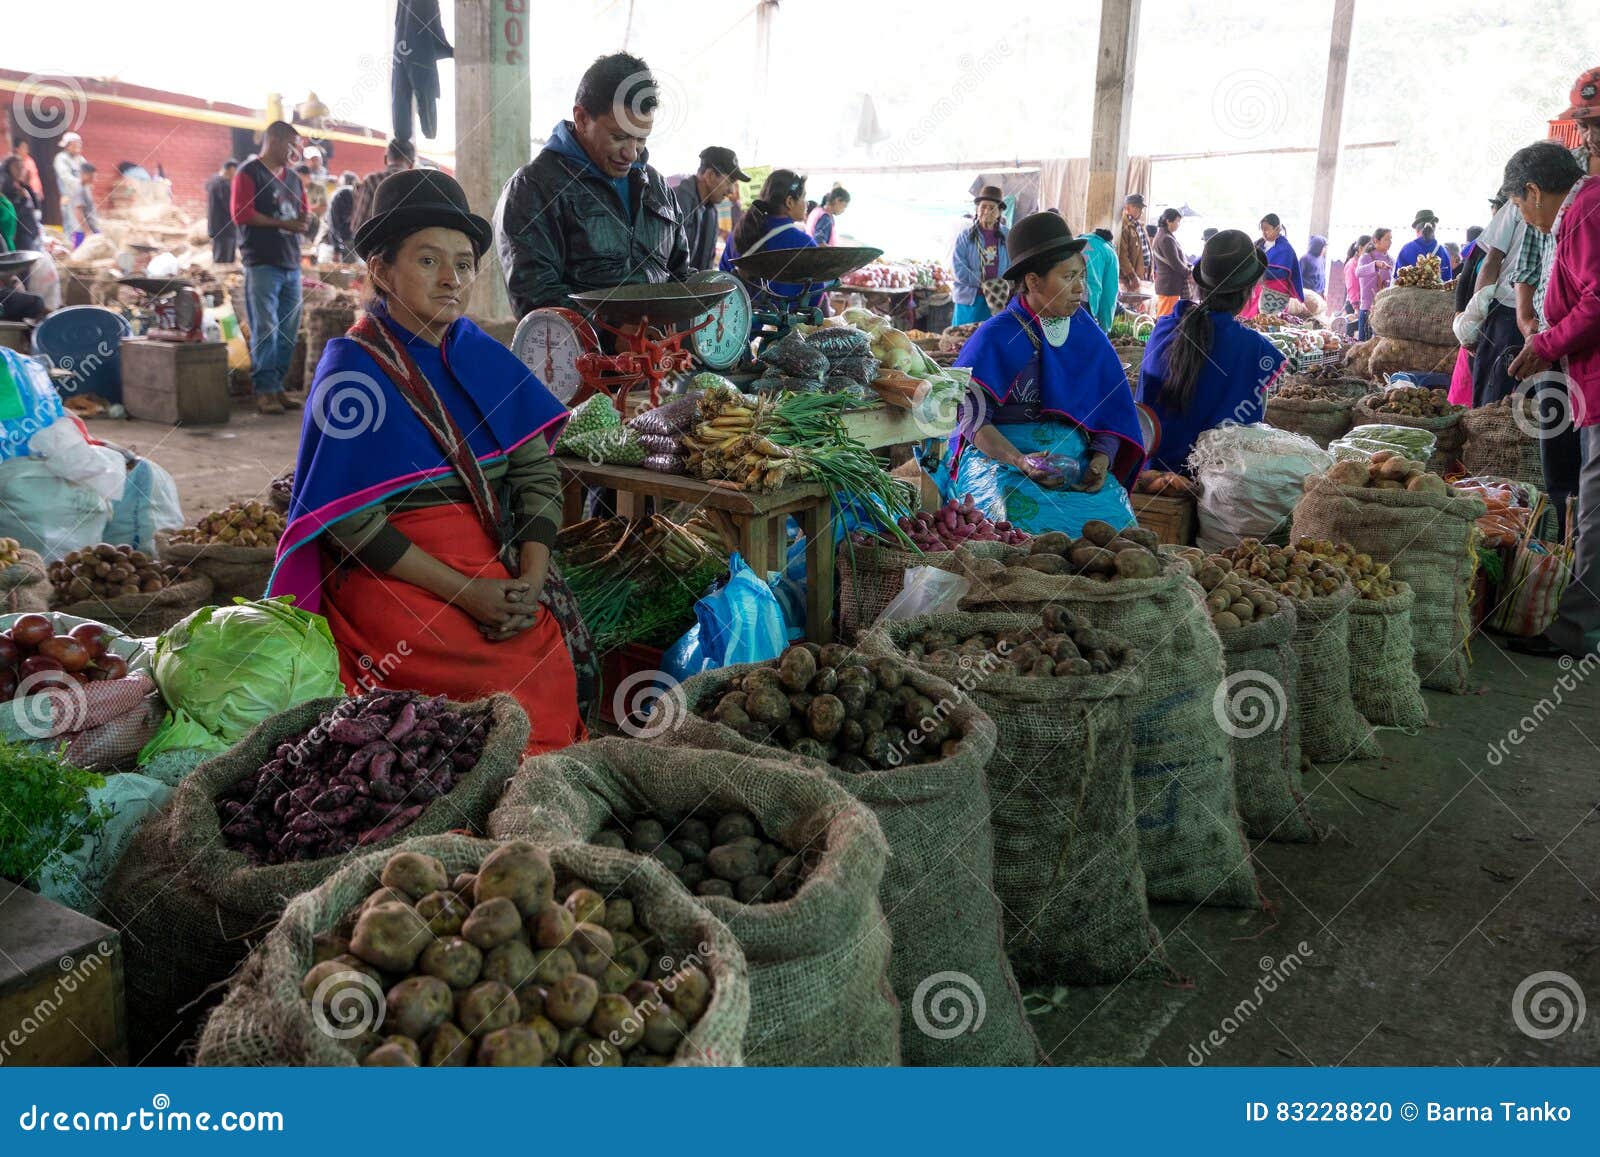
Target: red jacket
{"points": [[1572, 299]]}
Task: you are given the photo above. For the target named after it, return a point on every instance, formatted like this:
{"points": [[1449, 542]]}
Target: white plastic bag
{"points": [[67, 454], [46, 513], [1250, 479], [1470, 321], [149, 504], [927, 591]]}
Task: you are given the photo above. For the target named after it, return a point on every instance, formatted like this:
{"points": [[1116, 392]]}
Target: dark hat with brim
{"points": [[1229, 262], [1040, 235], [723, 161], [990, 193], [417, 199], [1134, 199], [1425, 217]]}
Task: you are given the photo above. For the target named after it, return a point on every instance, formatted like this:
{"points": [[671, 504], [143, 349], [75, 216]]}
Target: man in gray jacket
{"points": [[698, 197]]}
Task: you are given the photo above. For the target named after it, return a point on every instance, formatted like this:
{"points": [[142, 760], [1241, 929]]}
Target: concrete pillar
{"points": [[1113, 99], [1332, 116]]}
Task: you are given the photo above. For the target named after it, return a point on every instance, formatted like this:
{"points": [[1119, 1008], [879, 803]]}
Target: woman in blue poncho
{"points": [[1201, 368], [774, 220], [1050, 438], [1283, 282], [1425, 244]]}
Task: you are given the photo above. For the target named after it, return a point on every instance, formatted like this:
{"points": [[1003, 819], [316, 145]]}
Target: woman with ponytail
{"points": [[1425, 245], [1282, 282], [1202, 369], [774, 220]]}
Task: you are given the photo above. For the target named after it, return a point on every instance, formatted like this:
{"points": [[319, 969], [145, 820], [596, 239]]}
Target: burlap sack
{"points": [[1414, 314], [819, 982], [1428, 542], [1260, 706], [1394, 355], [1322, 422], [1066, 851], [265, 1020], [1383, 680], [324, 323], [1190, 840], [1358, 358], [948, 960], [1446, 431], [189, 907], [144, 615], [1495, 442], [1331, 729], [870, 576], [25, 585], [234, 571]]}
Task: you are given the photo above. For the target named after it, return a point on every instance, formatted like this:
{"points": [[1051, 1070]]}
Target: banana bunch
{"points": [[1425, 274]]}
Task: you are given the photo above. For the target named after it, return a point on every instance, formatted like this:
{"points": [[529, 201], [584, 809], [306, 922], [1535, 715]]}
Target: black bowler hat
{"points": [[1425, 217], [1229, 261], [417, 199], [1040, 235]]}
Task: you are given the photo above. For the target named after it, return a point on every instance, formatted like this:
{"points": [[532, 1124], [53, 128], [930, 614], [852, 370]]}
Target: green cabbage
{"points": [[223, 670]]}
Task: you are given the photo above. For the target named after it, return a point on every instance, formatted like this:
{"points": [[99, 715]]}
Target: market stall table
{"points": [[753, 521]]}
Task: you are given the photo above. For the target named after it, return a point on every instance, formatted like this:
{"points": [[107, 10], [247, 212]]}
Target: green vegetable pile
{"points": [[44, 809], [637, 582]]}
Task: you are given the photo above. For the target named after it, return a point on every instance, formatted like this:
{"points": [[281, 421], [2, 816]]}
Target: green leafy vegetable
{"points": [[44, 809]]}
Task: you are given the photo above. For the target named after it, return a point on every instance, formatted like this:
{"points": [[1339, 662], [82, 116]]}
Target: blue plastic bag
{"points": [[789, 585], [686, 657], [742, 622]]}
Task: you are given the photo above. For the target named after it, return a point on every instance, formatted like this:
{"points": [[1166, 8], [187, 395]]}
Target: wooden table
{"points": [[60, 985], [753, 521]]}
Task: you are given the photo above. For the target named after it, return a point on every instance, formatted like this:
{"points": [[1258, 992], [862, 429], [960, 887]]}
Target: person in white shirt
{"points": [[1499, 337], [67, 164]]}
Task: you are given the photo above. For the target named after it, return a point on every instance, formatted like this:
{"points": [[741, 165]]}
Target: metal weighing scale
{"points": [[172, 304], [647, 324], [813, 268]]}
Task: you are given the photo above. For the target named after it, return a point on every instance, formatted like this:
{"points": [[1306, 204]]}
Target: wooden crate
{"points": [[16, 335], [1171, 516], [179, 383], [61, 997]]}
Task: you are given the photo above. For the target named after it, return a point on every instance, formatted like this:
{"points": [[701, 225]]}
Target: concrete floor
{"points": [[1443, 883]]}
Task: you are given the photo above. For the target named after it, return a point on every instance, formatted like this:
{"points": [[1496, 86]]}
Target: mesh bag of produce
{"points": [[234, 571], [1190, 839], [1260, 708], [24, 585], [1415, 314], [143, 615], [266, 1019], [1248, 477], [818, 962], [1501, 440], [671, 418], [948, 959], [189, 906], [1383, 680], [1394, 355], [1428, 542], [1331, 729], [860, 370], [839, 341], [1446, 430], [792, 356], [1365, 441], [1066, 851], [661, 443]]}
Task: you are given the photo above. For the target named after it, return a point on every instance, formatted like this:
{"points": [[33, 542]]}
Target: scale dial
{"points": [[720, 344], [188, 311], [550, 342]]}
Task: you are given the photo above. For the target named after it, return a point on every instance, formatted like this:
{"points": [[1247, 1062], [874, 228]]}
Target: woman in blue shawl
{"points": [[1202, 369], [1283, 282], [1425, 244], [425, 501], [774, 220], [1050, 438]]}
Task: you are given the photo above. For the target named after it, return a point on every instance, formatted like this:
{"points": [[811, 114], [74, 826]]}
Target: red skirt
{"points": [[396, 635]]}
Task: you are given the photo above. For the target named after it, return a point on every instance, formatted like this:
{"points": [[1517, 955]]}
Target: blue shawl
{"points": [[361, 442], [1284, 265], [1424, 247], [1081, 382]]}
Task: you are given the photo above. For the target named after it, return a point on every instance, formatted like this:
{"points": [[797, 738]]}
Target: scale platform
{"points": [[154, 285], [18, 262], [811, 266], [669, 302]]}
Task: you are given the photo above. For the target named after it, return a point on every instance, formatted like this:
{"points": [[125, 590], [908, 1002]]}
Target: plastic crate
{"points": [[623, 681]]}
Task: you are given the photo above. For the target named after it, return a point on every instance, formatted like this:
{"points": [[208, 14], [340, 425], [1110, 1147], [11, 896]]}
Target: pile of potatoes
{"points": [[1372, 579], [727, 855], [10, 552], [1065, 646], [1306, 391], [1296, 573], [1233, 598], [1414, 402], [1103, 554], [238, 524], [502, 967], [1388, 470], [106, 572], [832, 704]]}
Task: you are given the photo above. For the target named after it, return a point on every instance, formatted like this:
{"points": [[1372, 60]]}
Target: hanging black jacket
{"points": [[560, 228]]}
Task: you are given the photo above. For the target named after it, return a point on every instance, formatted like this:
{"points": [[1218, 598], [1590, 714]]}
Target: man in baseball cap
{"points": [[1584, 107], [698, 197]]}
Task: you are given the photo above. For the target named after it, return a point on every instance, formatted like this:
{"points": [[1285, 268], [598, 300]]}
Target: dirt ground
{"points": [[1445, 879]]}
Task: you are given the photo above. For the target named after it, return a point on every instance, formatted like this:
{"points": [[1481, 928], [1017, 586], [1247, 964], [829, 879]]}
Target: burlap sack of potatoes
{"points": [[1321, 421], [1383, 680], [1428, 542], [818, 962], [1260, 700], [1331, 729], [1446, 430], [266, 1020], [1191, 842], [1358, 358], [870, 576], [144, 615], [1498, 442], [1066, 850], [937, 892], [189, 907], [234, 571], [25, 584], [1414, 314], [1394, 355]]}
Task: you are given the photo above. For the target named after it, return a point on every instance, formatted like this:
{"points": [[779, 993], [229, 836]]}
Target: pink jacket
{"points": [[1374, 271], [1572, 298]]}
